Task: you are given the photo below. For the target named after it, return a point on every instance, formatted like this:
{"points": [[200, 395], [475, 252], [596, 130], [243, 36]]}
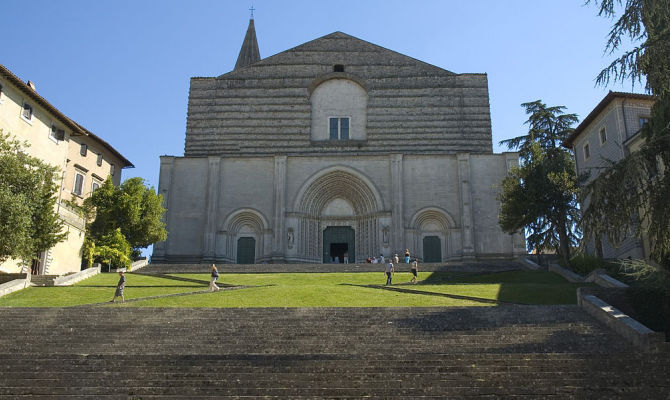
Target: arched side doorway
{"points": [[241, 238], [431, 227]]}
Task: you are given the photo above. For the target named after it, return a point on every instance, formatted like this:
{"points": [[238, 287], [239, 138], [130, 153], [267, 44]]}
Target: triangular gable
{"points": [[339, 42]]}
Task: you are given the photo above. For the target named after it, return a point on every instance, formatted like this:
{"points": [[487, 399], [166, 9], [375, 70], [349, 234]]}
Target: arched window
{"points": [[339, 111]]}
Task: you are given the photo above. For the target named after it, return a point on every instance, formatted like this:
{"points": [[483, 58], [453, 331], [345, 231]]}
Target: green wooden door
{"points": [[338, 240], [246, 250], [432, 249]]}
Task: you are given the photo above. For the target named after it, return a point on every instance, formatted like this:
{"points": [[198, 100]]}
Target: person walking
{"points": [[396, 260], [212, 282], [119, 287], [406, 256], [346, 257], [415, 271], [389, 272]]}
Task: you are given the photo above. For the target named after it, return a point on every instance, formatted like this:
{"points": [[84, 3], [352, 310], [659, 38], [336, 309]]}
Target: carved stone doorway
{"points": [[336, 241]]}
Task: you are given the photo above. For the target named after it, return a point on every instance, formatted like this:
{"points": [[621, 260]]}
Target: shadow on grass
{"points": [[427, 293], [142, 286]]}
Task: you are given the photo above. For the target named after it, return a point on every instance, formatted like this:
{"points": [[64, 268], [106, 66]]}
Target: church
{"points": [[337, 147]]}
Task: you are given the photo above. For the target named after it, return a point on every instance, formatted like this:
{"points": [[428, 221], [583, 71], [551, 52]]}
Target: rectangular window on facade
{"points": [[0, 93], [344, 128], [99, 160], [339, 128], [587, 152], [57, 133], [603, 135], [643, 120], [83, 149], [78, 184], [95, 186], [27, 112], [334, 135], [112, 169]]}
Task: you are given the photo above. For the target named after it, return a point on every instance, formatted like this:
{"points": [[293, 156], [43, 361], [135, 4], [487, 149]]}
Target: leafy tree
{"points": [[632, 194], [132, 207], [540, 196], [29, 223], [113, 249]]}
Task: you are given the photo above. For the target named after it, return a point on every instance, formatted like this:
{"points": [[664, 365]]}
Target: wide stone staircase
{"points": [[510, 352]]}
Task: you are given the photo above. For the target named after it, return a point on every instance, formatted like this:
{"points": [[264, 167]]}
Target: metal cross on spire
{"points": [[252, 11]]}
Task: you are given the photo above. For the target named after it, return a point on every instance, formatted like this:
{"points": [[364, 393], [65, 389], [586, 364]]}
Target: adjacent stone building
{"points": [[335, 146], [84, 159], [608, 134]]}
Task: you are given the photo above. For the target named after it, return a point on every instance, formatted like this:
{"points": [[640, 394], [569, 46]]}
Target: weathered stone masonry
{"points": [[262, 178]]}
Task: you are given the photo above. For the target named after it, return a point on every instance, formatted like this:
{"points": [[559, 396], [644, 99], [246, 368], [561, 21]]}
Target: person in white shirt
{"points": [[389, 272]]}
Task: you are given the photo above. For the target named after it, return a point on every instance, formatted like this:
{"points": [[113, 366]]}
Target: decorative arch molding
{"points": [[245, 216], [232, 230], [430, 214], [318, 191], [338, 182], [335, 75], [431, 223]]}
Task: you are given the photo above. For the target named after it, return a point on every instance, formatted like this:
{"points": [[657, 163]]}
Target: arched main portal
{"points": [[338, 211]]}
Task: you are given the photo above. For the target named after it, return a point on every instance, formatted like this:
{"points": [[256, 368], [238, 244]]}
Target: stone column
{"points": [[164, 189], [211, 204], [397, 196], [467, 219], [279, 220]]}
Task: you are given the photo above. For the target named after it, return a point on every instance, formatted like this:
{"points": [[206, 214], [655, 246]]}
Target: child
{"points": [[119, 288]]}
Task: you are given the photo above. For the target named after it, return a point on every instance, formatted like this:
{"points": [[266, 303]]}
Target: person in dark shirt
{"points": [[119, 288]]}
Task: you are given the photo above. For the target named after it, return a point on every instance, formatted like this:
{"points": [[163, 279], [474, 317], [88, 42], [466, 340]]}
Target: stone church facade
{"points": [[335, 146]]}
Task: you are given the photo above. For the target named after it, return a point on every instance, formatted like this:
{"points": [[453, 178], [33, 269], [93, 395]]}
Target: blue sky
{"points": [[122, 68]]}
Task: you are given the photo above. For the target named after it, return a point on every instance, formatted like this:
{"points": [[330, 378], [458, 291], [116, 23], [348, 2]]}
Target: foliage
{"points": [[113, 249], [132, 207], [540, 195], [639, 273], [29, 223], [631, 195], [584, 264], [646, 22]]}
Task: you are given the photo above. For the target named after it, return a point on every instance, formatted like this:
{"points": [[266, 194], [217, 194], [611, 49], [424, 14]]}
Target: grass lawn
{"points": [[310, 290]]}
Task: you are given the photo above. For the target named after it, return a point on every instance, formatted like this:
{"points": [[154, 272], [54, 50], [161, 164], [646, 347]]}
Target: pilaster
{"points": [[397, 196], [279, 218], [467, 219], [212, 201], [164, 189]]}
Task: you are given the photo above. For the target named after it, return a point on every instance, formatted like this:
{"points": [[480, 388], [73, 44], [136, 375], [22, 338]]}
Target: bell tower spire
{"points": [[249, 53]]}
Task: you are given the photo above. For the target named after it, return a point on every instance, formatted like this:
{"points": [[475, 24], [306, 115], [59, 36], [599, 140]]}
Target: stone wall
{"points": [[265, 108], [394, 201]]}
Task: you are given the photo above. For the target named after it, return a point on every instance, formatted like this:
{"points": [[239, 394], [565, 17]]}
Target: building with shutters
{"points": [[335, 146], [84, 159], [608, 134]]}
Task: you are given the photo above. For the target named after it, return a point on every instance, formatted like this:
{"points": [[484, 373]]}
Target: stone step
{"points": [[475, 266]]}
